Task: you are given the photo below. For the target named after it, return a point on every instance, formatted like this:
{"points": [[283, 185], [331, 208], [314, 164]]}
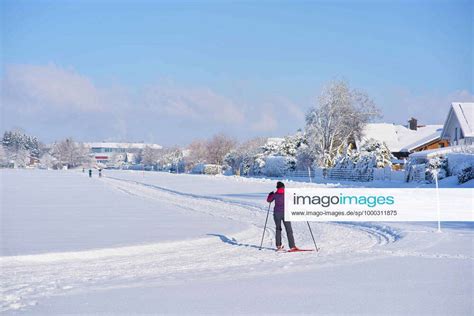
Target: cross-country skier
{"points": [[279, 216], [90, 173]]}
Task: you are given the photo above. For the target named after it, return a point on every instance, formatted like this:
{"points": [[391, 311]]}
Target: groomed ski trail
{"points": [[27, 279]]}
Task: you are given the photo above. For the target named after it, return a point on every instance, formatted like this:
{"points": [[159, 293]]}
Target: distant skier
{"points": [[100, 173], [279, 216], [90, 173]]}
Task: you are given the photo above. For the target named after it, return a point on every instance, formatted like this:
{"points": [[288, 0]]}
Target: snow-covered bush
{"points": [[376, 154], [466, 174], [250, 158], [275, 166], [198, 168], [457, 161], [228, 171], [304, 157], [461, 164], [212, 169], [242, 158], [203, 168], [48, 162], [372, 154], [171, 159], [438, 166], [353, 163], [287, 147]]}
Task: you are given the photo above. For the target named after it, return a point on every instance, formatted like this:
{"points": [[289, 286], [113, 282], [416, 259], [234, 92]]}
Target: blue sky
{"points": [[169, 72]]}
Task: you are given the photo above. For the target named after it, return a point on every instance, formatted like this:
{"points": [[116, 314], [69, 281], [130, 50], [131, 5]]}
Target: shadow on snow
{"points": [[234, 242]]}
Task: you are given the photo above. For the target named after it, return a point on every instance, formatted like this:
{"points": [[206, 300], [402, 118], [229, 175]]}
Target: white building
{"points": [[106, 153], [459, 125]]}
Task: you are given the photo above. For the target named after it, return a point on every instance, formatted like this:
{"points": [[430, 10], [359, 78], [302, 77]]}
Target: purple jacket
{"points": [[279, 198]]}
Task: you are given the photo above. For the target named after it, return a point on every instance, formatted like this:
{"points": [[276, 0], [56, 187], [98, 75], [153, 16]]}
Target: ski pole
{"points": [[265, 227], [311, 232]]}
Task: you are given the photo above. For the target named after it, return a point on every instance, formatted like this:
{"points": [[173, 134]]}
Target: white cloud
{"points": [[35, 88], [59, 101], [46, 89], [192, 103]]}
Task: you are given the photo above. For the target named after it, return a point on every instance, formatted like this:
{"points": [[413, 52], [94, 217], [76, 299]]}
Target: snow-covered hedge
{"points": [[459, 161], [211, 169], [460, 164], [415, 172], [359, 164]]}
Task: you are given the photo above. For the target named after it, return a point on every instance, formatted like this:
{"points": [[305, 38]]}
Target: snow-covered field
{"points": [[135, 243]]}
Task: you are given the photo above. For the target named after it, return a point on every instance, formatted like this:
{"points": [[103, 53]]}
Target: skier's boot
{"points": [[294, 249], [280, 248]]}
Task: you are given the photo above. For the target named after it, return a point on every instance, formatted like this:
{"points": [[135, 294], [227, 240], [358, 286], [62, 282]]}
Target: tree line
{"points": [[334, 123]]}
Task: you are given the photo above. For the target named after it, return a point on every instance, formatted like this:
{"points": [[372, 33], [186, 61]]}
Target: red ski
{"points": [[298, 250]]}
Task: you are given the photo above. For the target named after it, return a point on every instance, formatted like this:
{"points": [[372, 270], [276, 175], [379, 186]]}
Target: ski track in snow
{"points": [[27, 279]]}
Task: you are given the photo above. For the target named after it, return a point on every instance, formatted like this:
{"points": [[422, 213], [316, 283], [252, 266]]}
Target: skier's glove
{"points": [[271, 193]]}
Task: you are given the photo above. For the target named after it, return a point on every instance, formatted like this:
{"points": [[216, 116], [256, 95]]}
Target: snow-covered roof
{"points": [[400, 138], [439, 151], [464, 112], [122, 145], [425, 140]]}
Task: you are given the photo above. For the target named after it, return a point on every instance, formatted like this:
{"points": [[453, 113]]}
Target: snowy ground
{"points": [[135, 242]]}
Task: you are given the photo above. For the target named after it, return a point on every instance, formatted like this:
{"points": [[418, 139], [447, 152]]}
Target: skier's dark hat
{"points": [[280, 185]]}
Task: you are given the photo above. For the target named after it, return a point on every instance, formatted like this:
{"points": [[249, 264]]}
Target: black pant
{"points": [[279, 217]]}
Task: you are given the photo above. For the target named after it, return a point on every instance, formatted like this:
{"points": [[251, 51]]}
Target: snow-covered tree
{"points": [[197, 153], [436, 166], [33, 146], [69, 153], [14, 141], [287, 147], [376, 154], [4, 160], [276, 166], [137, 157], [304, 158], [218, 147], [171, 159], [21, 158], [47, 161], [337, 120], [242, 158], [118, 159], [150, 156]]}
